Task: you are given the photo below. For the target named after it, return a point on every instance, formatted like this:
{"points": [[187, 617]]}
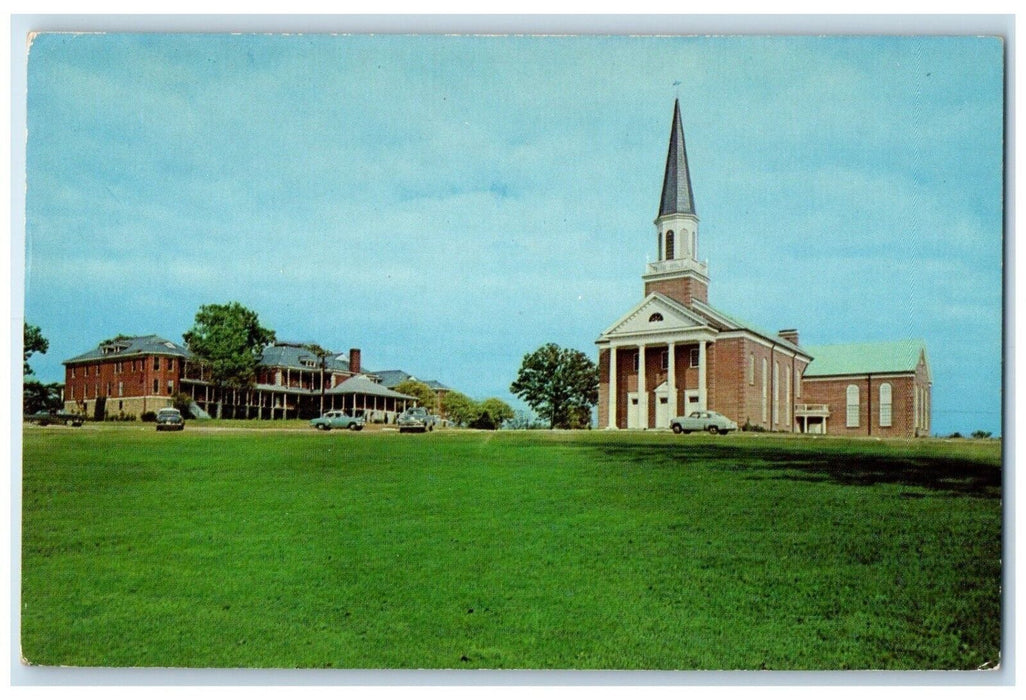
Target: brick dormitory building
{"points": [[130, 376], [673, 352]]}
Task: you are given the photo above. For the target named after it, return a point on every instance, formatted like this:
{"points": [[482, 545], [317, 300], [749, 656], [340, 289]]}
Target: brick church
{"points": [[673, 353]]}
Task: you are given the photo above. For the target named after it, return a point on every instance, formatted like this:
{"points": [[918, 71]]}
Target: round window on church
{"points": [[655, 317]]}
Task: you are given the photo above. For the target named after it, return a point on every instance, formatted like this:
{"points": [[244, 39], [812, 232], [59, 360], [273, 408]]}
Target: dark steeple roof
{"points": [[677, 196]]}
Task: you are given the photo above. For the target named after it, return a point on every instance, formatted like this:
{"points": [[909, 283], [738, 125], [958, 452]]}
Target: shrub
{"points": [[149, 417], [955, 435]]}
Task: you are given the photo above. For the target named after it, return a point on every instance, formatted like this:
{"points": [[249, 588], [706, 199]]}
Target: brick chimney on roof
{"points": [[354, 360], [790, 335]]}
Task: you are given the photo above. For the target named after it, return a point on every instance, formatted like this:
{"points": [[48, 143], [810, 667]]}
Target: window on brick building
{"points": [[751, 368], [669, 245], [156, 386], [885, 405], [108, 389], [72, 372], [852, 413], [655, 317], [637, 360], [71, 393], [664, 359], [765, 388], [693, 357], [170, 387], [156, 363], [776, 392]]}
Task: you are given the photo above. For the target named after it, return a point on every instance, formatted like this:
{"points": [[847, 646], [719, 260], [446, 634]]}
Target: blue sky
{"points": [[448, 204]]}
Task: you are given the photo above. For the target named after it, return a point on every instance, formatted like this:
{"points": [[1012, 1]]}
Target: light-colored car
{"points": [[337, 419], [170, 419], [415, 420], [703, 420]]}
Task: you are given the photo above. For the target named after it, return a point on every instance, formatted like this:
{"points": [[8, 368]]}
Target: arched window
{"points": [[765, 388], [885, 405], [669, 245], [655, 317], [852, 414]]}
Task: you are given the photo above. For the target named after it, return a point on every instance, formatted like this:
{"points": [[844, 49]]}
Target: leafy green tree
{"points": [[37, 397], [34, 342], [182, 402], [491, 414], [424, 394], [459, 408], [230, 339], [560, 384]]}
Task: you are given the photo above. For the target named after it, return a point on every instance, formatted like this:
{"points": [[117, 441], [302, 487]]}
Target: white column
{"points": [[702, 400], [612, 387], [671, 379], [642, 393]]}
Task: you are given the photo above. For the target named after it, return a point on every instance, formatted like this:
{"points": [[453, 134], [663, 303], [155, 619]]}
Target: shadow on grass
{"points": [[947, 475]]}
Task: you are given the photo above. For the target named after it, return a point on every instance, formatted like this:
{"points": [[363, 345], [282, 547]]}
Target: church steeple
{"points": [[677, 271], [677, 195]]}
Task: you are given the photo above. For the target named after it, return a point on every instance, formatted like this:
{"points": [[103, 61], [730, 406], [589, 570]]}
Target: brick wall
{"points": [[682, 289], [833, 392], [122, 379]]}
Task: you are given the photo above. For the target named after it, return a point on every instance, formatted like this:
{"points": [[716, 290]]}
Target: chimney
{"points": [[790, 335], [354, 360]]}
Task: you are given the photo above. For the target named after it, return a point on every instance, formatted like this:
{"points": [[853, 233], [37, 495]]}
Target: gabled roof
{"points": [[394, 377], [133, 346], [360, 384], [296, 356], [726, 322], [674, 316], [866, 358], [677, 196]]}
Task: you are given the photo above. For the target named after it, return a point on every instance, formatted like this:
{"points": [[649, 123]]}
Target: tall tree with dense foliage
{"points": [[424, 394], [560, 384], [231, 340], [459, 408], [492, 413], [37, 397], [34, 342]]}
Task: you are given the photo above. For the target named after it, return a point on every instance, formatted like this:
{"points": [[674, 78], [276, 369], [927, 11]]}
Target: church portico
{"points": [[647, 381]]}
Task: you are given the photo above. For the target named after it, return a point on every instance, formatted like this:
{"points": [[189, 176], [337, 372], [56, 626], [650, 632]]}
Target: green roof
{"points": [[864, 358]]}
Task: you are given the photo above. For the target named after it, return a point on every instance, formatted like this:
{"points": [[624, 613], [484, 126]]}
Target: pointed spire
{"points": [[677, 196]]}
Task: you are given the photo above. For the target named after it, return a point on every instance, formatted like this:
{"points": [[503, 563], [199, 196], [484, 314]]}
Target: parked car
{"points": [[46, 418], [415, 420], [170, 419], [337, 419], [703, 420]]}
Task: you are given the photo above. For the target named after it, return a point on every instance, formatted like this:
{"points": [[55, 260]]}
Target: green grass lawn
{"points": [[590, 550]]}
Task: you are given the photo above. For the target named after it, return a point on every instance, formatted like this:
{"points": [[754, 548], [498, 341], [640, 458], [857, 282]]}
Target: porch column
{"points": [[612, 387], [671, 379], [702, 399], [642, 390]]}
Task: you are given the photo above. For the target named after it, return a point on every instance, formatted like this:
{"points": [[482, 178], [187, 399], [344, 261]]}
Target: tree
{"points": [[459, 408], [37, 397], [424, 394], [560, 384], [34, 342], [230, 339], [491, 414]]}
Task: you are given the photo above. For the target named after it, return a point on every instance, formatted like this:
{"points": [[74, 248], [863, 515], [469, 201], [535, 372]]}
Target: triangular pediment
{"points": [[655, 314]]}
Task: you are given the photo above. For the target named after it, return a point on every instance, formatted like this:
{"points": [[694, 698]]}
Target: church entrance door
{"points": [[633, 411]]}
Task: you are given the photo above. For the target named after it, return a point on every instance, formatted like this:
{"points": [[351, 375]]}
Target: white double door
{"points": [[661, 419]]}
